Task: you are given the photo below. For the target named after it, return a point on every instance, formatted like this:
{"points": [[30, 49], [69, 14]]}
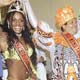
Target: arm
{"points": [[5, 2], [32, 19], [3, 41], [3, 44]]}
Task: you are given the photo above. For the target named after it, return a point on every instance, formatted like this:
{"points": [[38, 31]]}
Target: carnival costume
{"points": [[66, 62], [13, 54]]}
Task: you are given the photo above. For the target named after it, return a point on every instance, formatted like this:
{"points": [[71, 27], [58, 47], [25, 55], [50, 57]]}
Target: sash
{"points": [[23, 55], [72, 42]]}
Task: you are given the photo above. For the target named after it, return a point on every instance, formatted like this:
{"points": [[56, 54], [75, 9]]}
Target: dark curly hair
{"points": [[25, 33]]}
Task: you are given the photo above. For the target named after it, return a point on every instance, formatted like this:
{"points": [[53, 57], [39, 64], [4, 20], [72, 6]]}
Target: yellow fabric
{"points": [[13, 54], [71, 73], [33, 69], [59, 39]]}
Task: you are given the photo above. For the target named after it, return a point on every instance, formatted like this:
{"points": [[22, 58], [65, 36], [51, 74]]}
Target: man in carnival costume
{"points": [[42, 38], [66, 57]]}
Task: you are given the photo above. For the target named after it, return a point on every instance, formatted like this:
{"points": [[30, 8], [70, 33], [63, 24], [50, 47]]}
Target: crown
{"points": [[64, 15], [16, 6]]}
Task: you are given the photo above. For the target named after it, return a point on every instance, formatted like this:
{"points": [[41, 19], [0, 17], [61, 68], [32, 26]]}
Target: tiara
{"points": [[16, 6]]}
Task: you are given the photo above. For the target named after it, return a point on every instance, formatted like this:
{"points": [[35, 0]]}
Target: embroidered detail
{"points": [[44, 34]]}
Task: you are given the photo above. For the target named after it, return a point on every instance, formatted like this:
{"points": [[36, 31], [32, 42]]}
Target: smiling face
{"points": [[17, 23]]}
